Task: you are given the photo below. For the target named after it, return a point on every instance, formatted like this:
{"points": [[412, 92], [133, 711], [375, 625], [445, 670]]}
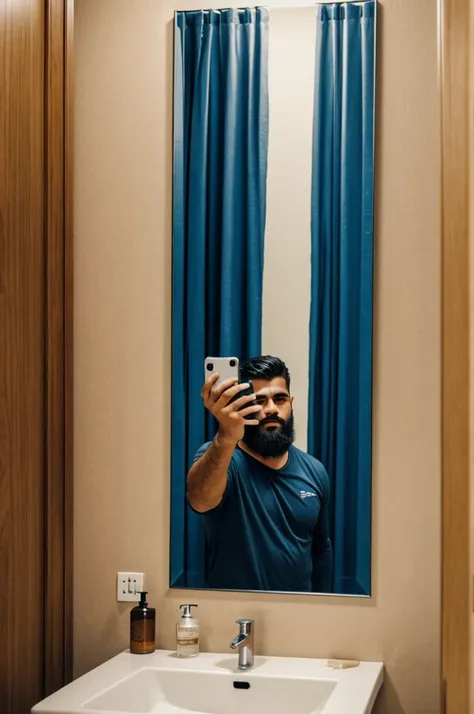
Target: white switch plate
{"points": [[128, 586]]}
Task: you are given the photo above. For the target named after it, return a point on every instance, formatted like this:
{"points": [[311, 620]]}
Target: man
{"points": [[265, 501]]}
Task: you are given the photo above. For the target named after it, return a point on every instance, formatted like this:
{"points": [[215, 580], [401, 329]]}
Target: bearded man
{"points": [[265, 501]]}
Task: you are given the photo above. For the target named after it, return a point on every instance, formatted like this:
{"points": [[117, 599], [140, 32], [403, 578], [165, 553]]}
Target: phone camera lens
{"points": [[210, 367], [232, 362]]}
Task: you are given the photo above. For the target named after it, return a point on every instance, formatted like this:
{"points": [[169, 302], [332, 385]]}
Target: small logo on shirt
{"points": [[307, 494]]}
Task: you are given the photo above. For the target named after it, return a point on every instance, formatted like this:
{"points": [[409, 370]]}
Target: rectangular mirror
{"points": [[273, 271]]}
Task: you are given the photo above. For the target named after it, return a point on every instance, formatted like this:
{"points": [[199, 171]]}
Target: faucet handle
{"points": [[245, 625]]}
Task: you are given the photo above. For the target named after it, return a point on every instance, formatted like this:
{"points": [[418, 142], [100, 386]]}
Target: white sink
{"points": [[161, 683]]}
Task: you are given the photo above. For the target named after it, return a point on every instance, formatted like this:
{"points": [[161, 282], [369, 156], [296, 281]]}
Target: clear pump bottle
{"points": [[187, 633]]}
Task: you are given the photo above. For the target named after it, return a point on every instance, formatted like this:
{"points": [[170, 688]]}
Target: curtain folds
{"points": [[340, 364], [219, 196]]}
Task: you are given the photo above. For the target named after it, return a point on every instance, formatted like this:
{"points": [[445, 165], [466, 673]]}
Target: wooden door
{"points": [[22, 310], [456, 33], [35, 341]]}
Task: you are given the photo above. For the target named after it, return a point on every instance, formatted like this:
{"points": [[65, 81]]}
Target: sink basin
{"points": [[162, 683], [154, 690]]}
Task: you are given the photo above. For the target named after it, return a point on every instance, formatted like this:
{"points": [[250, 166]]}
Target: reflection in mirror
{"points": [[272, 298]]}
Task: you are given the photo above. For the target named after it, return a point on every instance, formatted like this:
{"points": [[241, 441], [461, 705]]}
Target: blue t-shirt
{"points": [[270, 531]]}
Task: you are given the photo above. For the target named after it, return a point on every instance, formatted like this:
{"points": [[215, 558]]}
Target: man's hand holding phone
{"points": [[231, 415]]}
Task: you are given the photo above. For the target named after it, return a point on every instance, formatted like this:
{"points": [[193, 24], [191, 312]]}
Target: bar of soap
{"points": [[343, 663]]}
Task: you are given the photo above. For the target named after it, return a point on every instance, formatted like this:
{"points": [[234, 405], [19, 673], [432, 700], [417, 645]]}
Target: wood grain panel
{"points": [[68, 337], [54, 385], [35, 383], [22, 310], [454, 76]]}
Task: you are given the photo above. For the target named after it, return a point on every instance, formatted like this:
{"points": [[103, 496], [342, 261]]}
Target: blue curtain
{"points": [[340, 365], [219, 197]]}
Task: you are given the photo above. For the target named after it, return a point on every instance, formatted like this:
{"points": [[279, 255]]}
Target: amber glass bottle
{"points": [[142, 627]]}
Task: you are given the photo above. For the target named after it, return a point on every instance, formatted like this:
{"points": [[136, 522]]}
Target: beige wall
{"points": [[122, 352], [291, 55]]}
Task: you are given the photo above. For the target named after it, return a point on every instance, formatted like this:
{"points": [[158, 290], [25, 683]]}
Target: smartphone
{"points": [[243, 393], [228, 368]]}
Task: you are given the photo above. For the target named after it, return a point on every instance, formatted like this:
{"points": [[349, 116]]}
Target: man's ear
{"points": [[291, 401]]}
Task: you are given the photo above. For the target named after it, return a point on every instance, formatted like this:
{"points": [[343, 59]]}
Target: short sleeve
{"points": [[201, 451], [232, 472], [323, 481]]}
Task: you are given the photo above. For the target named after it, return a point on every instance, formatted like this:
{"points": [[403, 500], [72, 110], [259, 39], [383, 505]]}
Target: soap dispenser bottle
{"points": [[142, 627], [187, 633]]}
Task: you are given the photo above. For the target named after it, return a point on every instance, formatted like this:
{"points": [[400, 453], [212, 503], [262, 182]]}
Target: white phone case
{"points": [[228, 368]]}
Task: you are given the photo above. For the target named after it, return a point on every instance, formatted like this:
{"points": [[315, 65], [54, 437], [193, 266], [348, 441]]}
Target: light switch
{"points": [[129, 585]]}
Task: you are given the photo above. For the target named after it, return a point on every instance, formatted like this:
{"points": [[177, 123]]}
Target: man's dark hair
{"points": [[264, 367]]}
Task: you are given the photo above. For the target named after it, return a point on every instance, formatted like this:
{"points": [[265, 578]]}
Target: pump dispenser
{"points": [[142, 627], [187, 633]]}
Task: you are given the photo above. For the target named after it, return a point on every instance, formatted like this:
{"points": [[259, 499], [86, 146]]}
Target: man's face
{"points": [[275, 433]]}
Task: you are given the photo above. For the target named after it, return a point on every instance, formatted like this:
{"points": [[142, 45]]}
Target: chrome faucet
{"points": [[244, 642]]}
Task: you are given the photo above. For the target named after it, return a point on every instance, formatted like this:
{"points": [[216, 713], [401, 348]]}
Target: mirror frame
{"points": [[356, 579]]}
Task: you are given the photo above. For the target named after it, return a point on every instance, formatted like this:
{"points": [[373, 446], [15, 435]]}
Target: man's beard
{"points": [[270, 443]]}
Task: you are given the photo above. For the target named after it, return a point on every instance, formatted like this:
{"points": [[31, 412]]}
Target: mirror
{"points": [[272, 269]]}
